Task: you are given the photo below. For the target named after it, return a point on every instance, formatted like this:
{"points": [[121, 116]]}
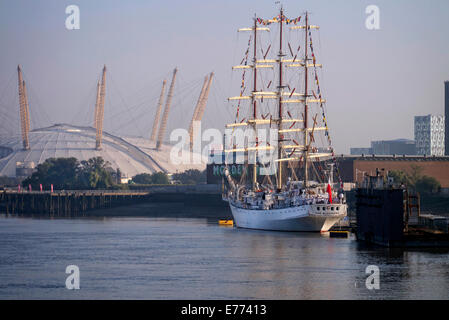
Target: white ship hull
{"points": [[310, 218]]}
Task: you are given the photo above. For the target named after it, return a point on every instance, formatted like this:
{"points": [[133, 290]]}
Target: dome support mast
{"points": [[100, 111], [158, 113], [163, 125], [24, 110]]}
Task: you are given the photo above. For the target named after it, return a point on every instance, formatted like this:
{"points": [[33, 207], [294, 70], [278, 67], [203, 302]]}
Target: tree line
{"points": [[71, 174], [191, 176], [96, 173], [415, 180]]}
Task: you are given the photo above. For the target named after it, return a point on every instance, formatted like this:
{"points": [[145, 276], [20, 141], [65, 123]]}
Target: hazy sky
{"points": [[375, 82]]}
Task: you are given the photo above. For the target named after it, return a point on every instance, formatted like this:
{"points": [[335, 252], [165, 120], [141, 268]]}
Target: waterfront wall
{"points": [[173, 201], [64, 203]]}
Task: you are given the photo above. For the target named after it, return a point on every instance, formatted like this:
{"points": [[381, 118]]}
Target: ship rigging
{"points": [[289, 109]]}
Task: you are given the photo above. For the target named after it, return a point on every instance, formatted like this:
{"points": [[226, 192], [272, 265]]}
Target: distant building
{"points": [[390, 147], [360, 151], [429, 135], [446, 113]]}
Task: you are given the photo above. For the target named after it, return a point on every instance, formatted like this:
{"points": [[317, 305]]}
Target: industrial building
{"points": [[21, 153], [387, 147], [398, 146]]}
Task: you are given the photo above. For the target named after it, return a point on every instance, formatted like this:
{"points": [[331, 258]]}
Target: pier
{"points": [[65, 203], [157, 200]]}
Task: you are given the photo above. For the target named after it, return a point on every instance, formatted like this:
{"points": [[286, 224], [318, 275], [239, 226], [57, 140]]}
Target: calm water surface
{"points": [[153, 258]]}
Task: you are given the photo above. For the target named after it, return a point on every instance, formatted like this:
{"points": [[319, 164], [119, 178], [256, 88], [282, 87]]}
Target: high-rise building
{"points": [[429, 135], [446, 120]]}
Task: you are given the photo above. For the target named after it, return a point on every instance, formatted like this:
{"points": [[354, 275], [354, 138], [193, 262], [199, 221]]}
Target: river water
{"points": [[156, 258]]}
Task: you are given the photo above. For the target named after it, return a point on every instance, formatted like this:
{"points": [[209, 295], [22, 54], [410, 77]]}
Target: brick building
{"points": [[352, 168]]}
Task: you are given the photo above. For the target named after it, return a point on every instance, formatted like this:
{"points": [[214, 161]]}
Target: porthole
{"points": [[332, 208], [338, 208]]}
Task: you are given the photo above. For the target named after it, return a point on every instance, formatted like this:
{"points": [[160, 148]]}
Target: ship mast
{"points": [[280, 89], [254, 102], [306, 95]]}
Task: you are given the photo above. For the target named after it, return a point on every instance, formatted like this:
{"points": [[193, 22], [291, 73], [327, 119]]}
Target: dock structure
{"points": [[65, 203], [82, 202], [385, 217]]}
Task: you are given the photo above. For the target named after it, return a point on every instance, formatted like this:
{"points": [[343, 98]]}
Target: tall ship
{"points": [[280, 134]]}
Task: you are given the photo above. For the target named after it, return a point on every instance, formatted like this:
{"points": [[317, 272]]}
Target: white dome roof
{"points": [[132, 156]]}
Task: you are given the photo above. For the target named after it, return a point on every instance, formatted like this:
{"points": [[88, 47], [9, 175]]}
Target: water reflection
{"points": [[155, 258]]}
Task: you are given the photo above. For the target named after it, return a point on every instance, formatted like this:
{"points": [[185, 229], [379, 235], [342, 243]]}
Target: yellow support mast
{"points": [[97, 105], [166, 111], [197, 108], [23, 105], [100, 115], [158, 113]]}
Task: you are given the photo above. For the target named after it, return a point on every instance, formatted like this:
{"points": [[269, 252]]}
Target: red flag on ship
{"points": [[329, 191], [18, 187], [40, 187], [29, 187], [51, 186]]}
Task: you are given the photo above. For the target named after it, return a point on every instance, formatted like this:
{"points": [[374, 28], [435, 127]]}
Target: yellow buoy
{"points": [[226, 222]]}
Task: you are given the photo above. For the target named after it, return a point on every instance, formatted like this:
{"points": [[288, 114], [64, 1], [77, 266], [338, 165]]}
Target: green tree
{"points": [[69, 173], [143, 178], [415, 180], [415, 174], [427, 185], [155, 178], [94, 174], [399, 177], [160, 178], [61, 172], [191, 176]]}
